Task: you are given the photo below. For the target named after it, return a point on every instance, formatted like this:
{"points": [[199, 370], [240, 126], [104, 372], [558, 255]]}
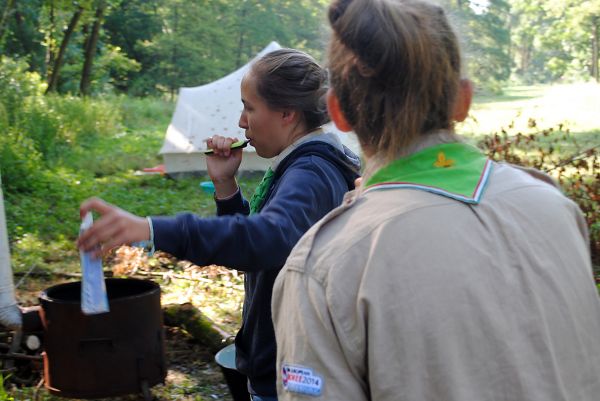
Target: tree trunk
{"points": [[595, 74], [525, 51], [53, 81], [238, 60], [171, 72], [10, 4], [90, 52], [50, 50]]}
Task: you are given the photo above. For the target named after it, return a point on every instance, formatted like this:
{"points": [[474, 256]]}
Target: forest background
{"points": [[153, 47]]}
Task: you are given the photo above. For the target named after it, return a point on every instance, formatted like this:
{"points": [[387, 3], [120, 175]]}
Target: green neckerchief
{"points": [[261, 191], [456, 170]]}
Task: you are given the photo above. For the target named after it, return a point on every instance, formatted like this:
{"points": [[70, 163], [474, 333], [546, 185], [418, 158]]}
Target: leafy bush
{"points": [[83, 120], [558, 152], [39, 131], [19, 162], [144, 113], [16, 84], [60, 124], [4, 396], [19, 157]]}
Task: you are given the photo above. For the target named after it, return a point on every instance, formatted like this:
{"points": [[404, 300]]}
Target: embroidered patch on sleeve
{"points": [[301, 380]]}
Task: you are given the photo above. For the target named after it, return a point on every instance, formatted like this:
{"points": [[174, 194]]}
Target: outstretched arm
{"points": [[261, 241]]}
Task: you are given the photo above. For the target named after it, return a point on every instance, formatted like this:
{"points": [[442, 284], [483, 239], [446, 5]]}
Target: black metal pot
{"points": [[96, 356]]}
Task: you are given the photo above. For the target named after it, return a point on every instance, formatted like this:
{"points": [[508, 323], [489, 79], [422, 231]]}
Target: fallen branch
{"points": [[171, 275], [198, 325]]}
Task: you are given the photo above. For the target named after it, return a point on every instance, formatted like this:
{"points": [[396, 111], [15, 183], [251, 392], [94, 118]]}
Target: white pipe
{"points": [[10, 314]]}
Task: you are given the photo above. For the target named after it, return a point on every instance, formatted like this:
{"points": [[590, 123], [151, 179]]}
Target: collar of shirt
{"points": [[317, 135]]}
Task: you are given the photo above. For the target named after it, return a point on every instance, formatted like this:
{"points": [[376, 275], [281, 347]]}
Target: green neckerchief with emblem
{"points": [[261, 191], [456, 170]]}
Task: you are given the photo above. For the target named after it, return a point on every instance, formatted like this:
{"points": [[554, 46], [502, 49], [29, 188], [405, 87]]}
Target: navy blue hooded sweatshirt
{"points": [[307, 184]]}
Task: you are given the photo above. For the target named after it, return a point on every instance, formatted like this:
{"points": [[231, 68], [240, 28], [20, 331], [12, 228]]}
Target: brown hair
{"points": [[291, 79], [395, 68]]}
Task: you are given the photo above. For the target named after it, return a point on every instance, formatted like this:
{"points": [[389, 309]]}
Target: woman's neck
{"points": [[299, 131]]}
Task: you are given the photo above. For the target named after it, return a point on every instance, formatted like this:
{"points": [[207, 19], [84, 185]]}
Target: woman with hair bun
{"points": [[284, 108], [445, 275]]}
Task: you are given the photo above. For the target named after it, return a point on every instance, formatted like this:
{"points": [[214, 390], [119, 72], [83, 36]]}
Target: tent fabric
{"points": [[10, 314], [210, 109]]}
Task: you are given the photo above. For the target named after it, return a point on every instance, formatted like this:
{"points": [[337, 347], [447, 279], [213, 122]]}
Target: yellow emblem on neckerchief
{"points": [[442, 161]]}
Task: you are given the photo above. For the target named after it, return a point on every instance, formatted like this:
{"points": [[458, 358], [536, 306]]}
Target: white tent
{"points": [[210, 109], [10, 314]]}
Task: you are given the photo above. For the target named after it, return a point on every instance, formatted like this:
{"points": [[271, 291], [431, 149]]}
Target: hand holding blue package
{"points": [[94, 299]]}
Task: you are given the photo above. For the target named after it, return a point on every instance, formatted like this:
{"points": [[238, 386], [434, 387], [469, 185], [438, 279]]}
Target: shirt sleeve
{"points": [[311, 360], [232, 205]]}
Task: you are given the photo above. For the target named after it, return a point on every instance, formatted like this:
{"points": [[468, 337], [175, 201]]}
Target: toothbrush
{"points": [[235, 145]]}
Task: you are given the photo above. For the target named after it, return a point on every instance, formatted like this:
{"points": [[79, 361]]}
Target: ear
{"points": [[335, 112], [463, 101], [288, 116]]}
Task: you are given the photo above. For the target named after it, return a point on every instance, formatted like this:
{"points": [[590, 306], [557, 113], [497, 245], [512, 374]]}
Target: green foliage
{"points": [[133, 29], [152, 47], [147, 113], [112, 70], [157, 46], [30, 252], [16, 85], [4, 396], [19, 162], [488, 43], [62, 149], [483, 29], [554, 39], [40, 131], [23, 37], [19, 155]]}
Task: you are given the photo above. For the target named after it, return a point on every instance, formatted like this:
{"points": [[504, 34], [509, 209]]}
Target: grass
{"points": [[43, 225], [575, 105]]}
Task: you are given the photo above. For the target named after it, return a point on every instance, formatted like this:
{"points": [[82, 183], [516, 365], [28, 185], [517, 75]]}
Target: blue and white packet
{"points": [[94, 298]]}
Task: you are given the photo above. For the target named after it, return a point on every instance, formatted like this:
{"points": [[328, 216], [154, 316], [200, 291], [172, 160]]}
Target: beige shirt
{"points": [[410, 296]]}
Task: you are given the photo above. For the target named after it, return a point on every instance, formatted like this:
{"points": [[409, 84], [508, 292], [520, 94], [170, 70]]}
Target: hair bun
{"points": [[291, 79]]}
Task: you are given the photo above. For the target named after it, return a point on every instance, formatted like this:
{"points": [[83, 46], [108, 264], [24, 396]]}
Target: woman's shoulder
{"points": [[323, 160], [322, 151]]}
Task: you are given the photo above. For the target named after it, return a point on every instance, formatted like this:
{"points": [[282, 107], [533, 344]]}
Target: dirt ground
{"points": [[192, 372]]}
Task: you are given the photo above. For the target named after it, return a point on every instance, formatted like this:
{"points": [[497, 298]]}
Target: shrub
{"points": [[16, 84], [19, 162], [39, 131]]}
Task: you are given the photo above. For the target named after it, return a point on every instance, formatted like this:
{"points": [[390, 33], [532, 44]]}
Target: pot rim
{"points": [[152, 287]]}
